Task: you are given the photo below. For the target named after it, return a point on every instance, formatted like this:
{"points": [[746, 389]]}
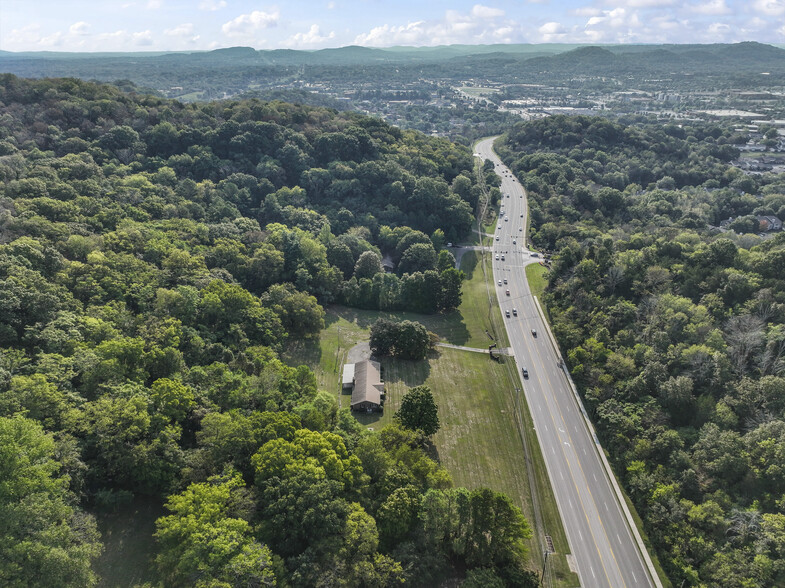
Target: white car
{"points": [[513, 241], [500, 282], [497, 237], [497, 257]]}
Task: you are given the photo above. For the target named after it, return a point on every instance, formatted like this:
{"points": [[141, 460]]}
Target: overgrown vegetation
{"points": [[155, 258], [674, 332]]}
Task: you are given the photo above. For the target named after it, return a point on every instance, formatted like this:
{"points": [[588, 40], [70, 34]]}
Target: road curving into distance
{"points": [[607, 550]]}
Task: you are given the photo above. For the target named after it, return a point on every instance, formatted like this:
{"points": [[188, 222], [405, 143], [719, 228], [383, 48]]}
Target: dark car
{"points": [[534, 332], [525, 372]]}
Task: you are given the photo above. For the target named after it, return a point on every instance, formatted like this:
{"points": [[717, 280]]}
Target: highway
{"points": [[600, 538]]}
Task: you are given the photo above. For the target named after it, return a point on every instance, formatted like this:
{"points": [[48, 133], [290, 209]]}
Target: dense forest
{"points": [[155, 258], [674, 330]]}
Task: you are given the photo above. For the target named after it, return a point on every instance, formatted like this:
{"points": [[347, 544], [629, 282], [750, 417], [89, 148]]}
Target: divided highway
{"points": [[599, 535]]}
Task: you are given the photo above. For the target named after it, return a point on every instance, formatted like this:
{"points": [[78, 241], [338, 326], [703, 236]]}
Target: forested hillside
{"points": [[673, 330], [154, 260]]}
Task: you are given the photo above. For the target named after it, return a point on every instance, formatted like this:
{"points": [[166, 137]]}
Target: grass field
{"points": [[538, 280], [477, 91], [483, 416]]}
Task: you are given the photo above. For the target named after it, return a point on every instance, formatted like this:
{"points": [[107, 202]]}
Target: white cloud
{"points": [[711, 7], [142, 38], [79, 28], [552, 32], [639, 3], [212, 5], [719, 28], [183, 30], [330, 5], [480, 11], [54, 40], [482, 24], [770, 7], [154, 4], [586, 11], [311, 39], [248, 24]]}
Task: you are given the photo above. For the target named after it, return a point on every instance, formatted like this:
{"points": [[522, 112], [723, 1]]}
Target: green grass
{"points": [[127, 535], [536, 274], [484, 418]]}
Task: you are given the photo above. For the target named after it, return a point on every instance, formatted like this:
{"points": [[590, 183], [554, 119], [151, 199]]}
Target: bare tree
{"points": [[614, 277], [744, 334], [743, 525]]}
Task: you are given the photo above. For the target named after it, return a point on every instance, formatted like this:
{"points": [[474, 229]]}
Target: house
{"points": [[769, 223], [367, 386], [388, 265]]}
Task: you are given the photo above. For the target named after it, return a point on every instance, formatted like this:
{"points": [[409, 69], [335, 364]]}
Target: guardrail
{"points": [[598, 447]]}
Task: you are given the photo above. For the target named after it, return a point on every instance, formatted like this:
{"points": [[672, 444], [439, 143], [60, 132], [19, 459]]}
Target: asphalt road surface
{"points": [[600, 538]]}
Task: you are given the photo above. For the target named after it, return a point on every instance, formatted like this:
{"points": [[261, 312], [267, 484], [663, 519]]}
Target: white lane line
{"points": [[606, 505], [561, 475], [581, 534], [618, 538], [633, 577], [595, 476], [592, 572], [584, 451]]}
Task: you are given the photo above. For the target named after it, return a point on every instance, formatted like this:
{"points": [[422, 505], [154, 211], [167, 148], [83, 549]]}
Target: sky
{"points": [[189, 25]]}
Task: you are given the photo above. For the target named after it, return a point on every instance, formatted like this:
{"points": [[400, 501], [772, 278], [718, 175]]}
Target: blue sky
{"points": [[155, 25]]}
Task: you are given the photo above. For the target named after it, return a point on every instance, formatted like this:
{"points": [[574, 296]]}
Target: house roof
{"points": [[368, 386]]}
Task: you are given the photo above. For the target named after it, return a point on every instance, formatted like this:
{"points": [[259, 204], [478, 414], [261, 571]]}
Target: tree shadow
{"points": [[408, 372], [303, 351], [469, 262], [430, 449]]}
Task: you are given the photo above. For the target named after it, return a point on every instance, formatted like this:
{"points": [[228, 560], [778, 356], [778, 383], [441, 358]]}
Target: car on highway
{"points": [[508, 291], [514, 312], [534, 332], [521, 215], [497, 257], [507, 312], [502, 257], [505, 280], [497, 237], [500, 282], [520, 228], [525, 372], [514, 241]]}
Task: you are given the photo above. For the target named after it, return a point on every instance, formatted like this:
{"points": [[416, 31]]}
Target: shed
{"points": [[348, 376]]}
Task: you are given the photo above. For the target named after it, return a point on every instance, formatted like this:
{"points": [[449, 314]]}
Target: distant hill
{"points": [[233, 70]]}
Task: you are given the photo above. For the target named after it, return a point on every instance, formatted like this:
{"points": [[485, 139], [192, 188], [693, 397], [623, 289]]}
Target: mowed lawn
{"points": [[476, 323], [480, 441]]}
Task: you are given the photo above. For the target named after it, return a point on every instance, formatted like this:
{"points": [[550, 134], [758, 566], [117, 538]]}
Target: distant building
{"points": [[769, 223], [387, 264], [367, 386]]}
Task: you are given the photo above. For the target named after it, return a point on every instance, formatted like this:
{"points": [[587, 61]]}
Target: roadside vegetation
{"points": [[673, 329]]}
